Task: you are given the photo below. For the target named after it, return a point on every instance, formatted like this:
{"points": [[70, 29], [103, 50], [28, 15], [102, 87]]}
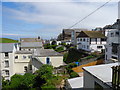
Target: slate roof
{"points": [[23, 52], [46, 52], [6, 47], [31, 44], [91, 34], [30, 40]]}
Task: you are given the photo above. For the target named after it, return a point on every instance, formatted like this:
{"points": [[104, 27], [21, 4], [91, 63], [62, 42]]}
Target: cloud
{"points": [[61, 15], [10, 34]]}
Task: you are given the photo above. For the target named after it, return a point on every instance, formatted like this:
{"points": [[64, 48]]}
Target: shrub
{"points": [[73, 74]]}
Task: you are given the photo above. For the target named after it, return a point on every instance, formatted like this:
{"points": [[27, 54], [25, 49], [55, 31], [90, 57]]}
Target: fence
{"points": [[116, 77]]}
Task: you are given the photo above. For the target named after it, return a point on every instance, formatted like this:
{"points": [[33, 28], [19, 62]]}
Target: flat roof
{"points": [[76, 82], [102, 72]]}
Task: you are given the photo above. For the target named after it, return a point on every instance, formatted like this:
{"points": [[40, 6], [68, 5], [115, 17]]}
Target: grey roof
{"points": [[31, 44], [23, 52], [6, 47], [46, 52], [30, 40], [76, 82], [102, 72]]}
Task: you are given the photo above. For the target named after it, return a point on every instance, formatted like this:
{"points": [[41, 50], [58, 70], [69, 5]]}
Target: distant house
{"points": [[91, 41], [46, 56], [99, 76], [30, 44]]}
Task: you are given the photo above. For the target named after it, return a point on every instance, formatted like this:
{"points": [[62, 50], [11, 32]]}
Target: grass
{"points": [[7, 40]]}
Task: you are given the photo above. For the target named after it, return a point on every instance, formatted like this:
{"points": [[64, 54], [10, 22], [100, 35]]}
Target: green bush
{"points": [[65, 57], [59, 49], [73, 74]]}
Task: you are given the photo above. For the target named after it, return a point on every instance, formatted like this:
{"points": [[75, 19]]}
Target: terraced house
{"points": [[26, 57], [91, 41]]}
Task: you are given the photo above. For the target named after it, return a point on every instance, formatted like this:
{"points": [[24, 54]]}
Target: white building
{"points": [[74, 34], [46, 56], [99, 76], [6, 59], [91, 41], [111, 51], [26, 57]]}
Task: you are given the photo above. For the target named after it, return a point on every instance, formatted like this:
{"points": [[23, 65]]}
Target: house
{"points": [[74, 34], [46, 56], [30, 44], [20, 61], [91, 41], [99, 76], [6, 59], [112, 49]]}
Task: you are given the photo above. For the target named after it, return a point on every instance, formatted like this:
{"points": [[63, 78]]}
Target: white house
{"points": [[99, 76], [111, 48], [91, 41], [46, 56], [6, 59], [26, 57]]}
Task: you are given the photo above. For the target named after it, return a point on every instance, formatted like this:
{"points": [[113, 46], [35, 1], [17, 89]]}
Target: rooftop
{"points": [[30, 40], [46, 52], [31, 44], [6, 47], [102, 72], [23, 52], [76, 82], [91, 34]]}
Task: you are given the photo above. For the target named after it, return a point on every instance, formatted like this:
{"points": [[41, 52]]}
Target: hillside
{"points": [[7, 40]]}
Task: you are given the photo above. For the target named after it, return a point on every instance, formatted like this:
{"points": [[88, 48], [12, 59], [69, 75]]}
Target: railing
{"points": [[116, 77]]}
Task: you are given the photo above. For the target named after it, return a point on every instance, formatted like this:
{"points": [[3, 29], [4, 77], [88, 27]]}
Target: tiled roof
{"points": [[46, 52], [6, 47], [91, 34]]}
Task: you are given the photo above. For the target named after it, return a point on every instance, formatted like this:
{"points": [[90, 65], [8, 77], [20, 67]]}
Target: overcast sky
{"points": [[47, 19]]}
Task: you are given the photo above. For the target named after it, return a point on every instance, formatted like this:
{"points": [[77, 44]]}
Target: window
{"points": [[24, 57], [112, 34], [117, 33], [25, 68], [6, 54], [87, 40], [7, 72], [6, 63], [99, 46], [29, 49], [81, 39], [30, 56], [84, 39], [87, 47], [47, 60], [16, 57], [106, 49], [30, 67]]}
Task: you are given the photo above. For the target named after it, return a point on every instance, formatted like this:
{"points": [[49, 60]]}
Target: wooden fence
{"points": [[116, 77]]}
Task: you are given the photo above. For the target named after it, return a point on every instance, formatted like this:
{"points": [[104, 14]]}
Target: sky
{"points": [[47, 19]]}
